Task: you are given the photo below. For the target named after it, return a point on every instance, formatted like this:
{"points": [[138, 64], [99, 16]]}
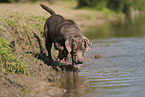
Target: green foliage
{"points": [[92, 3], [8, 61], [116, 5], [9, 1], [15, 1]]}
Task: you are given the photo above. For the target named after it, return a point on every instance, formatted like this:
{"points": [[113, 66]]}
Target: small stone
{"points": [[49, 79], [97, 56]]}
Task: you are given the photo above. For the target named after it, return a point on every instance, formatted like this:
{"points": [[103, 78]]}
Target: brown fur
{"points": [[66, 36]]}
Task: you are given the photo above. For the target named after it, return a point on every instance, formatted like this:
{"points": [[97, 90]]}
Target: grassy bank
{"points": [[22, 72]]}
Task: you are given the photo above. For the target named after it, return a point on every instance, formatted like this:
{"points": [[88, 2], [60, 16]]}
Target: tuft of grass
{"points": [[8, 61], [25, 89], [21, 27]]}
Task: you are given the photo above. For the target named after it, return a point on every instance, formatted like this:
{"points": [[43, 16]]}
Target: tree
{"points": [[116, 5]]}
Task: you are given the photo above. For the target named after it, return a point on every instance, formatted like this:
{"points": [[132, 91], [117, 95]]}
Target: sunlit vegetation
{"points": [[116, 5], [8, 61]]}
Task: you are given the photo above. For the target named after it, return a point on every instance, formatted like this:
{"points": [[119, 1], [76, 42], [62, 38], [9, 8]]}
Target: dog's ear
{"points": [[88, 43], [68, 45]]}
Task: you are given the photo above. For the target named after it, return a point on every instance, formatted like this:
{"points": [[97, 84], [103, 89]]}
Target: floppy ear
{"points": [[88, 43], [68, 45]]}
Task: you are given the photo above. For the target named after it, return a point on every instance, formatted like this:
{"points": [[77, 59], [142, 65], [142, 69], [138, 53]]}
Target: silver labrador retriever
{"points": [[66, 36]]}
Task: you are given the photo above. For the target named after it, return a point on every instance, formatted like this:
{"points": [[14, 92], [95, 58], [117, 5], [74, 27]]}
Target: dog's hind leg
{"points": [[48, 42], [48, 47]]}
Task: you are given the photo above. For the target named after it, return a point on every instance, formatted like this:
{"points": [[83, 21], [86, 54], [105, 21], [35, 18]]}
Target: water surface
{"points": [[120, 71]]}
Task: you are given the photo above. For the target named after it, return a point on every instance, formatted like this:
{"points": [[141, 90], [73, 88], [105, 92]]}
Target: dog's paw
{"points": [[77, 67]]}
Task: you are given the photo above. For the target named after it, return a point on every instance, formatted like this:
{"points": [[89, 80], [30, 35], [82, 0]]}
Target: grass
{"points": [[25, 89], [8, 60], [20, 26], [19, 22]]}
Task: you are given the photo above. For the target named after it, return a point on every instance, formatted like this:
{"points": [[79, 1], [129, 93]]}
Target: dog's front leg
{"points": [[60, 48], [73, 63]]}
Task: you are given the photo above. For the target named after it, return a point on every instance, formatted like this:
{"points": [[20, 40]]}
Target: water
{"points": [[120, 71]]}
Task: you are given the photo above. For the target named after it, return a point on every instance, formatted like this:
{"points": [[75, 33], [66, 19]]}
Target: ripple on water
{"points": [[120, 72]]}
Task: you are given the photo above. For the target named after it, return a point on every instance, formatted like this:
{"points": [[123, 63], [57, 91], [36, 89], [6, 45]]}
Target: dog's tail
{"points": [[48, 9]]}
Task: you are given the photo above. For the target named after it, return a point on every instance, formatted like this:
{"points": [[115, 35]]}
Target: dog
{"points": [[66, 36]]}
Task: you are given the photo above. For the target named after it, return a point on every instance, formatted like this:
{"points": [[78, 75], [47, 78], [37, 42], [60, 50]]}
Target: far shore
{"points": [[83, 17]]}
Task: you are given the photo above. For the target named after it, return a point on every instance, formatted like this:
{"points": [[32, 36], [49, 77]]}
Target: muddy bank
{"points": [[27, 86]]}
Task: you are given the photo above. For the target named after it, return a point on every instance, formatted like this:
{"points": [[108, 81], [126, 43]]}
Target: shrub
{"points": [[9, 1], [116, 5]]}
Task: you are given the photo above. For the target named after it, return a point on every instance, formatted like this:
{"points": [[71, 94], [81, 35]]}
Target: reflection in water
{"points": [[134, 28], [74, 84]]}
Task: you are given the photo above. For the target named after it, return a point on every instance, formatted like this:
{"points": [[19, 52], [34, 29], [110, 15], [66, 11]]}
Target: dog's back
{"points": [[52, 22]]}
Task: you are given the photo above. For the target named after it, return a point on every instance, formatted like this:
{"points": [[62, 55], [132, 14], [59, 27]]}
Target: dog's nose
{"points": [[80, 61]]}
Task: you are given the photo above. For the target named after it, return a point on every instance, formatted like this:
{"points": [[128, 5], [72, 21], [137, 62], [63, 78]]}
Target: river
{"points": [[120, 70]]}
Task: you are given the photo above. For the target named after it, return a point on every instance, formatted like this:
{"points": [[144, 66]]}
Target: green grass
{"points": [[69, 0], [19, 22], [8, 61], [21, 27], [25, 89]]}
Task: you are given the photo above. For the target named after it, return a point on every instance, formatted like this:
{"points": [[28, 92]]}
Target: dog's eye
{"points": [[83, 47], [75, 47]]}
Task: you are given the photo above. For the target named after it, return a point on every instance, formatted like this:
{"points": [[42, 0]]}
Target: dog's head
{"points": [[77, 46]]}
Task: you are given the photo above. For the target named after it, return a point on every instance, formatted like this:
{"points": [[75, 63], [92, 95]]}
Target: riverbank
{"points": [[22, 26]]}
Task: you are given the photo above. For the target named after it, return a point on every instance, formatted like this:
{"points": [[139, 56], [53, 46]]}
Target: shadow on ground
{"points": [[43, 56]]}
